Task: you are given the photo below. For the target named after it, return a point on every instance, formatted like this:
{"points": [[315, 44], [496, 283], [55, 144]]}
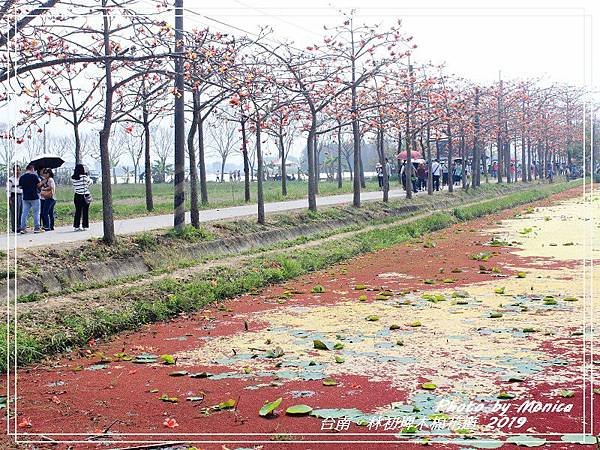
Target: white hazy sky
{"points": [[475, 39]]}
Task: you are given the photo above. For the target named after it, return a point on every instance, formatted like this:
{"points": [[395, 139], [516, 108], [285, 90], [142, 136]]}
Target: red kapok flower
{"points": [[170, 423]]}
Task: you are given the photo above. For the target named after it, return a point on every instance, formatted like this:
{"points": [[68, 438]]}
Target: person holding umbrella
{"points": [[29, 183]]}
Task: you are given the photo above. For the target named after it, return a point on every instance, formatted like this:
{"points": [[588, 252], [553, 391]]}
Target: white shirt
{"points": [[436, 168], [12, 186]]}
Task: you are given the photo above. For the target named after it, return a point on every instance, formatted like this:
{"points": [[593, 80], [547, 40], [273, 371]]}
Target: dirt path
{"points": [[502, 324]]}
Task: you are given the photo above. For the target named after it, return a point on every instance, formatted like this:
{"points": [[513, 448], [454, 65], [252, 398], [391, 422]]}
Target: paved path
{"points": [[146, 223]]}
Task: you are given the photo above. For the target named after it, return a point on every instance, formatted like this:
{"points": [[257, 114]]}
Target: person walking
{"points": [[379, 171], [48, 195], [29, 183], [444, 174], [82, 198], [421, 175], [436, 171], [15, 200]]}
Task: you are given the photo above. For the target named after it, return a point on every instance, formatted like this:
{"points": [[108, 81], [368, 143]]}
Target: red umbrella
{"points": [[413, 154]]}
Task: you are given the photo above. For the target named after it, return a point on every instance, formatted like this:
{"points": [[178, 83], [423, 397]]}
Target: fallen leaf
{"points": [[269, 407]]}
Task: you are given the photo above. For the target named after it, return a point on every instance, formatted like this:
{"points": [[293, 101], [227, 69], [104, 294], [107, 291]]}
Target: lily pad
{"points": [[460, 294], [298, 410], [495, 315], [320, 345], [372, 318], [570, 299], [339, 359], [360, 287], [505, 395], [435, 298], [167, 359], [394, 326], [565, 393], [429, 386], [415, 324], [269, 407], [499, 290], [529, 330], [449, 280], [166, 398], [329, 382], [363, 298], [521, 274], [338, 346]]}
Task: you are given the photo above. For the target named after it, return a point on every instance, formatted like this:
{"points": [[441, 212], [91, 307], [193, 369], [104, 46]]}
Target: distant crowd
{"points": [[33, 193]]}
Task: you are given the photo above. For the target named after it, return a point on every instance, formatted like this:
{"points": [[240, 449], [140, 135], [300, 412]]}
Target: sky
{"points": [[481, 40]]}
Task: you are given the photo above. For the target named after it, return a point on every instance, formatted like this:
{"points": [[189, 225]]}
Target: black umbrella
{"points": [[47, 162]]}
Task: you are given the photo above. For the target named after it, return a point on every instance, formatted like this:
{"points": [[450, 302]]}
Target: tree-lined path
{"points": [[139, 224]]}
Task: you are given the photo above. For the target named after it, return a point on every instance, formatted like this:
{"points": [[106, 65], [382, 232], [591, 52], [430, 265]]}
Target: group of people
{"points": [[34, 193], [235, 175], [420, 174]]}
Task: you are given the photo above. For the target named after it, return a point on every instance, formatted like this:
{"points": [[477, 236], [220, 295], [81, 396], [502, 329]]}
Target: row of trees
{"points": [[119, 68]]}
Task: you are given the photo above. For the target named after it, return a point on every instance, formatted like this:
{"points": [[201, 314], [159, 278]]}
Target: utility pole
{"points": [[179, 178]]}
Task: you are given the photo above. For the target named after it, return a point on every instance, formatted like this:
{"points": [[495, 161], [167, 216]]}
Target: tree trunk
{"points": [[259, 192], [450, 171], [202, 162], [107, 210], [529, 159], [194, 211], [283, 168], [317, 163], [310, 142], [147, 162], [386, 182], [246, 163], [77, 137], [356, 148], [476, 166], [339, 157]]}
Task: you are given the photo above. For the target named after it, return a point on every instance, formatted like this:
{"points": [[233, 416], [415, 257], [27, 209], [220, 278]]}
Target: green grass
{"points": [[129, 199], [166, 298]]}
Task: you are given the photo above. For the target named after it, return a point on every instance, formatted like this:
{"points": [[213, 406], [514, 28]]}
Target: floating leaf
{"points": [[381, 297], [269, 407], [429, 386], [394, 326], [123, 357], [529, 330], [277, 352], [570, 299], [400, 343], [329, 382], [526, 231], [318, 289], [460, 294], [428, 281], [433, 297], [415, 324], [363, 298], [372, 318], [298, 410], [500, 290], [481, 256], [495, 315], [227, 404], [338, 346], [339, 359], [166, 398], [200, 375], [438, 416], [550, 301], [566, 393], [456, 270], [167, 359], [568, 243], [521, 274], [505, 395], [360, 287], [320, 345], [449, 280]]}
